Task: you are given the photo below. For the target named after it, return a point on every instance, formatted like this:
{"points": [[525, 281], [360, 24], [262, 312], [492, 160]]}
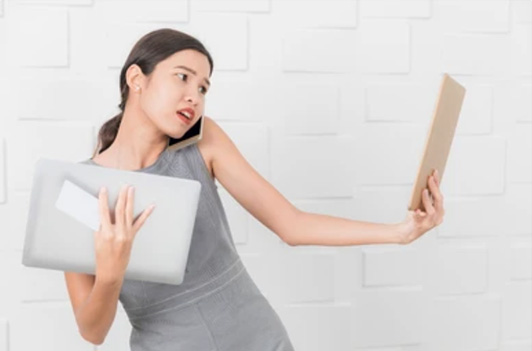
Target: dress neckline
{"points": [[147, 168]]}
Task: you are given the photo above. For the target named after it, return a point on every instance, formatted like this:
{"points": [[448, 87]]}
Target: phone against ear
{"points": [[193, 135]]}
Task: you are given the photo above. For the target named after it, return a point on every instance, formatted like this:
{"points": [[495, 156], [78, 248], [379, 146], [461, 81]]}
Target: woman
{"points": [[163, 85]]}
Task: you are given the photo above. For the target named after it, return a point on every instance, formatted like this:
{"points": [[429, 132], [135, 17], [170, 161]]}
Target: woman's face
{"points": [[180, 81]]}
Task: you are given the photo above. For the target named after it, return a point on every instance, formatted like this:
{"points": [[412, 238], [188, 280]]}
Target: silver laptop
{"points": [[64, 213]]}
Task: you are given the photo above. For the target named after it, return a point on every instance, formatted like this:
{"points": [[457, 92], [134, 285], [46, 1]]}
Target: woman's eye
{"points": [[183, 76]]}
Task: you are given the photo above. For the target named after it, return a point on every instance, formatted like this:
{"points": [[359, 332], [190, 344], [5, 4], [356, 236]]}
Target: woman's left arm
{"points": [[318, 229], [294, 226]]}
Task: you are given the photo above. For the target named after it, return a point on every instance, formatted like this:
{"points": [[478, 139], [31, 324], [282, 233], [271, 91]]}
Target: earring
{"points": [[137, 88]]}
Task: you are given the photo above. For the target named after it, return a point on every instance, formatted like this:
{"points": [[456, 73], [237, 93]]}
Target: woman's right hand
{"points": [[113, 241]]}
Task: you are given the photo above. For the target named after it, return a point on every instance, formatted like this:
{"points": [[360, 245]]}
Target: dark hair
{"points": [[149, 50]]}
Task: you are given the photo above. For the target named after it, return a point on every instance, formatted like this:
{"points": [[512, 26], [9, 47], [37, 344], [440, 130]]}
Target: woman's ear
{"points": [[134, 78]]}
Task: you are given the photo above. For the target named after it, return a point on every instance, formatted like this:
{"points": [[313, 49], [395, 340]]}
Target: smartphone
{"points": [[193, 135]]}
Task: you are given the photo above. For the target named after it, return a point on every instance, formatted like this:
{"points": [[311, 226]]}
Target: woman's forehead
{"points": [[190, 58]]}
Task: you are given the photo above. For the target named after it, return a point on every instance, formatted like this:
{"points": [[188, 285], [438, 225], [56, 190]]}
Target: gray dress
{"points": [[218, 306]]}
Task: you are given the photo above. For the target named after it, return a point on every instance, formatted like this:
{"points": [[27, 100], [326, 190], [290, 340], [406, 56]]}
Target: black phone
{"points": [[192, 135]]}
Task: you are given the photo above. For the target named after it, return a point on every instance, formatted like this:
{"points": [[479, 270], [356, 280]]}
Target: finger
{"points": [[436, 194], [105, 218], [420, 214], [438, 203], [119, 209], [427, 202], [142, 218], [129, 206]]}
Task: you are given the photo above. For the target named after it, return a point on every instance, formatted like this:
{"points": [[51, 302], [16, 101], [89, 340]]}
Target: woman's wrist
{"points": [[400, 233]]}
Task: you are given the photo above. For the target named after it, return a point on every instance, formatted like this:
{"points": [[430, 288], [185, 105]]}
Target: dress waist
{"points": [[187, 297]]}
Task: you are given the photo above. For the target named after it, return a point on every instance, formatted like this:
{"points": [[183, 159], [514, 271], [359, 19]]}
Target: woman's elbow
{"points": [[95, 340]]}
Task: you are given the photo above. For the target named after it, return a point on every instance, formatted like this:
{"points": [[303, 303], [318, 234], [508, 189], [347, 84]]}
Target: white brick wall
{"points": [[330, 101]]}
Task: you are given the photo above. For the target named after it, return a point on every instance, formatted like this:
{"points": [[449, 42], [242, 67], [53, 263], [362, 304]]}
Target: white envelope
{"points": [[79, 204]]}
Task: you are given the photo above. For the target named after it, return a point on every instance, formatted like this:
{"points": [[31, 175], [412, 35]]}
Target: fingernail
{"points": [[102, 190]]}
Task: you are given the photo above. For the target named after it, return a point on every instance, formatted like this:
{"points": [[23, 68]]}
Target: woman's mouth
{"points": [[183, 118]]}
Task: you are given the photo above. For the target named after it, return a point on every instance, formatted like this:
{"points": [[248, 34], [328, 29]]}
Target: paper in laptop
{"points": [[79, 204]]}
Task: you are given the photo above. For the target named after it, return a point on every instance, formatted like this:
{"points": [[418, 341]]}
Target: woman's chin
{"points": [[177, 134]]}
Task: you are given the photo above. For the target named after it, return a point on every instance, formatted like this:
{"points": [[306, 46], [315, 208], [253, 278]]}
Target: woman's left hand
{"points": [[418, 222]]}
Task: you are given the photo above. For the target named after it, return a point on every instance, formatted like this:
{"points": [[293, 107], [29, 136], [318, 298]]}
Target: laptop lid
{"points": [[64, 211]]}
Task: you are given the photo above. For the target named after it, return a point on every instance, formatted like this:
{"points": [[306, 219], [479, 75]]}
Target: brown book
{"points": [[439, 138]]}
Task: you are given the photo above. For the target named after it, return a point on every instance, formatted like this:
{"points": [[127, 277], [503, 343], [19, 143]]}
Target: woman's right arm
{"points": [[94, 298], [94, 302]]}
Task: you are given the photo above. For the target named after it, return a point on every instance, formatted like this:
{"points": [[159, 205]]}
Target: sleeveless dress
{"points": [[218, 307]]}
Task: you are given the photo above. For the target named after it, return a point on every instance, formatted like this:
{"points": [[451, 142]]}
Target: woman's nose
{"points": [[192, 97]]}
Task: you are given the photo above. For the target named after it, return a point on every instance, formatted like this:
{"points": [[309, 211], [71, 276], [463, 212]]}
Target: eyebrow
{"points": [[193, 72]]}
